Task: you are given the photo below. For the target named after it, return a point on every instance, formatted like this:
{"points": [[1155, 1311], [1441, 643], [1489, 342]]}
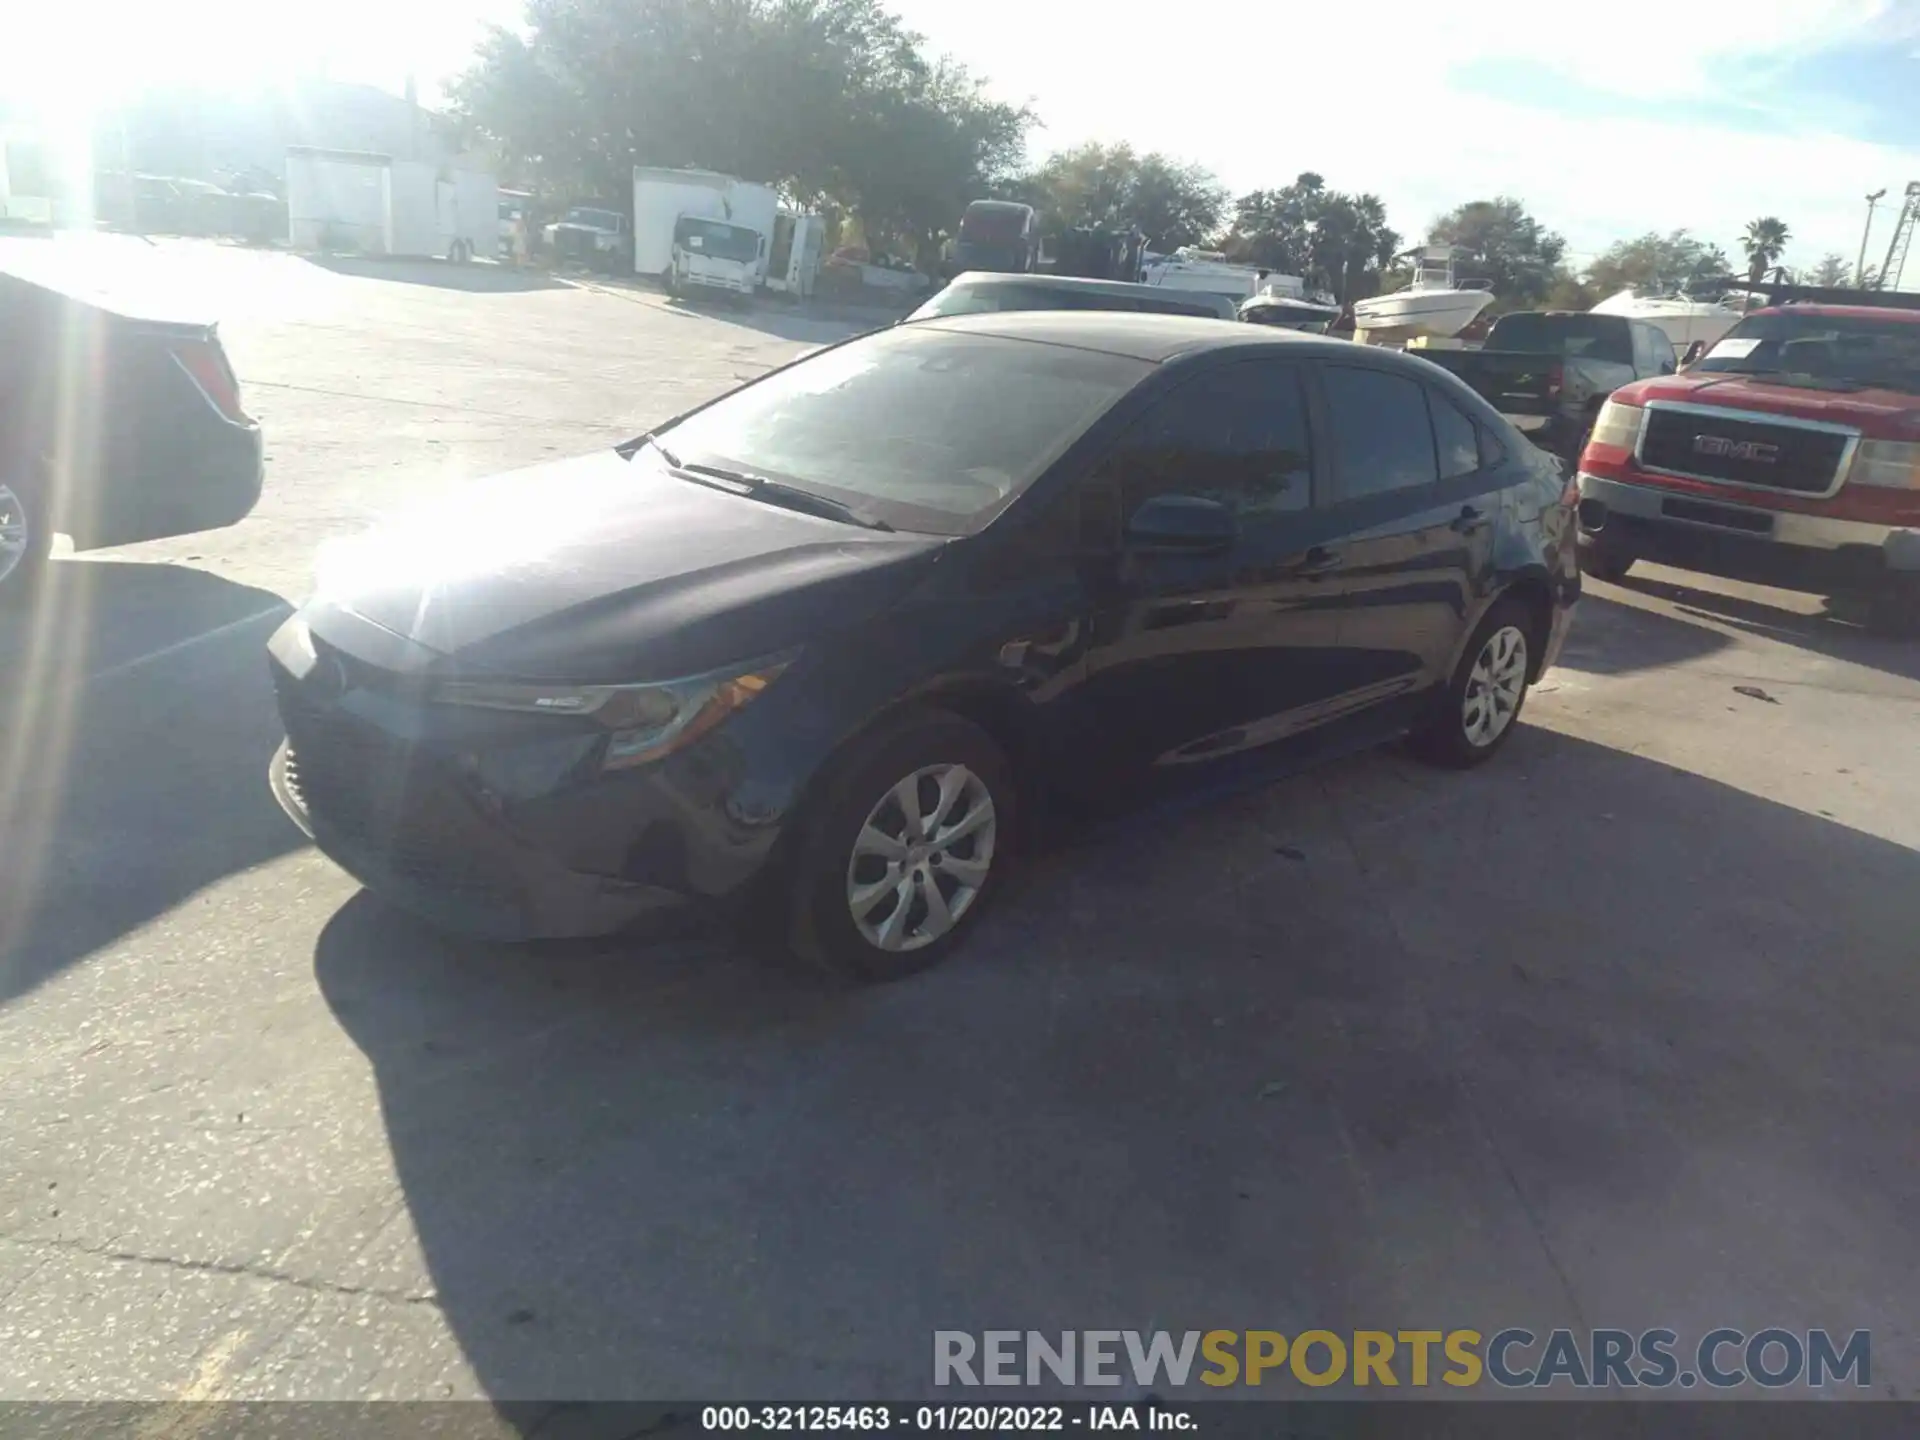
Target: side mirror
{"points": [[1185, 524]]}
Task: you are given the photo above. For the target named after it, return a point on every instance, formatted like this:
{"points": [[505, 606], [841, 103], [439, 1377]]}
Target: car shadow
{"points": [[1827, 633], [1611, 638], [136, 723], [1356, 1046], [476, 279]]}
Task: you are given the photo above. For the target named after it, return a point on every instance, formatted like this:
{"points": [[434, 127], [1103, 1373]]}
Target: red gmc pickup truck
{"points": [[1789, 455]]}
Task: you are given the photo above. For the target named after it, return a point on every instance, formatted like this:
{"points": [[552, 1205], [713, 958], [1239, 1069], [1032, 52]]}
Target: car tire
{"points": [[875, 898], [1603, 561], [26, 540], [1479, 709]]}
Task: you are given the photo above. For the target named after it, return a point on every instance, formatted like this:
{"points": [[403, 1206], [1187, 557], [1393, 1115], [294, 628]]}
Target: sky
{"points": [[1702, 114]]}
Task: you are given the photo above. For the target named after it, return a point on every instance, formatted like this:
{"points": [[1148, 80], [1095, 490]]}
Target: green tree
{"points": [[1764, 241], [1336, 241], [1834, 269], [1174, 203], [1568, 291], [1498, 240], [1657, 264], [832, 100]]}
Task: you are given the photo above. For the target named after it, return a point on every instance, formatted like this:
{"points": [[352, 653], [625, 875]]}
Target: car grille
{"points": [[1722, 445], [393, 801]]}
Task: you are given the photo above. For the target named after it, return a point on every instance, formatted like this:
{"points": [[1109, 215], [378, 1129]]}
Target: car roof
{"points": [[1061, 282], [1153, 338]]}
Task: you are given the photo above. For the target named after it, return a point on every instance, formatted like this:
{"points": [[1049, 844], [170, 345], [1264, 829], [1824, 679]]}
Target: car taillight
{"points": [[1556, 376], [1889, 464], [1617, 424], [207, 368]]}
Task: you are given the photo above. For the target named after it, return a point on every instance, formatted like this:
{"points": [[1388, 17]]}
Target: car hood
{"points": [[1882, 414], [606, 570]]}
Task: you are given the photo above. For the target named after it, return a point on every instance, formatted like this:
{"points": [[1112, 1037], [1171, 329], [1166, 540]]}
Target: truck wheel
{"points": [[25, 542], [1603, 561], [1893, 610]]}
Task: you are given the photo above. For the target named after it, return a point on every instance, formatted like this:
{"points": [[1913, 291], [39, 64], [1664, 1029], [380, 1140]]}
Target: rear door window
{"points": [[1454, 437], [1382, 433]]}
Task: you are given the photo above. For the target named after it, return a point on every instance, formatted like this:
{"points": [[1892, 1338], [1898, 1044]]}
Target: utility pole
{"points": [[1860, 265]]}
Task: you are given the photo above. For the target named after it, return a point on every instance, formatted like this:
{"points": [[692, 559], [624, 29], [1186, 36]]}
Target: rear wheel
{"points": [[909, 843], [1476, 714], [25, 542]]}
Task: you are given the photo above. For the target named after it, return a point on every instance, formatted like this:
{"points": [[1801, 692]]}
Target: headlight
{"points": [[1618, 423], [1889, 464], [646, 721]]}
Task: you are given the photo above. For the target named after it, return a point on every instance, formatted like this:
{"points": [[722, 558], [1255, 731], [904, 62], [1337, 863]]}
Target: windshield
{"points": [[926, 429], [599, 219], [1596, 337], [716, 239], [1847, 350]]}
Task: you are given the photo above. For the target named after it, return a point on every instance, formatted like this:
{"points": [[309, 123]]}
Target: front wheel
{"points": [[1475, 715], [25, 542], [910, 841]]}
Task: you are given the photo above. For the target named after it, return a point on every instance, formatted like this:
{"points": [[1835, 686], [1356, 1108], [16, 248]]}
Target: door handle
{"points": [[1470, 519], [1319, 560]]}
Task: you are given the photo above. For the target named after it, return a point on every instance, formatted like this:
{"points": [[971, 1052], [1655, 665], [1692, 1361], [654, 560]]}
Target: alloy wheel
{"points": [[1495, 686], [16, 532], [922, 857]]}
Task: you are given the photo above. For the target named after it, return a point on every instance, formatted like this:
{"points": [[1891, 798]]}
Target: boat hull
{"points": [[1405, 314]]}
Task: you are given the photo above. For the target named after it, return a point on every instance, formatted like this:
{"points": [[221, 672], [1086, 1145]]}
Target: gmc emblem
{"points": [[1736, 449]]}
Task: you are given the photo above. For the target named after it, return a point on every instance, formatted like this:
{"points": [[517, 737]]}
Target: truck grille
{"points": [[1735, 448]]}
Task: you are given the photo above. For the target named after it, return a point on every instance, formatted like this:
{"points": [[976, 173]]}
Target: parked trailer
{"points": [[374, 204], [794, 262]]}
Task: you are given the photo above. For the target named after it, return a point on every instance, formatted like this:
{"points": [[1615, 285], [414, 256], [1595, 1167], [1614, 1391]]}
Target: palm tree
{"points": [[1764, 242]]}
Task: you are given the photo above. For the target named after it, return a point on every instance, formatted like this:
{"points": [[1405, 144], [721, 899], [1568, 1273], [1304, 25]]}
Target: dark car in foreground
{"points": [[1789, 455], [1550, 371], [115, 426], [818, 646]]}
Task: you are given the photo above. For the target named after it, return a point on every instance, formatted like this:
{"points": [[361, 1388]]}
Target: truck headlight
{"points": [[1888, 464], [1618, 424], [646, 722]]}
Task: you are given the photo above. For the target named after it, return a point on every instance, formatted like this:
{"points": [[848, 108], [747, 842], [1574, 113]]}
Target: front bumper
{"points": [[502, 826], [472, 880], [1817, 553]]}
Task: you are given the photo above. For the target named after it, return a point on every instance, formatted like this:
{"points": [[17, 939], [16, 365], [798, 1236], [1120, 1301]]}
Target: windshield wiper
{"points": [[776, 492]]}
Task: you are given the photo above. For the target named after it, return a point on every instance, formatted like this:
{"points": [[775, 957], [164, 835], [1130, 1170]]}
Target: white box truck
{"points": [[356, 200], [702, 231]]}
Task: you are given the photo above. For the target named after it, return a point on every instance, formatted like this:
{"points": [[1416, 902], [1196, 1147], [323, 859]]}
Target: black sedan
{"points": [[818, 644], [116, 425]]}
